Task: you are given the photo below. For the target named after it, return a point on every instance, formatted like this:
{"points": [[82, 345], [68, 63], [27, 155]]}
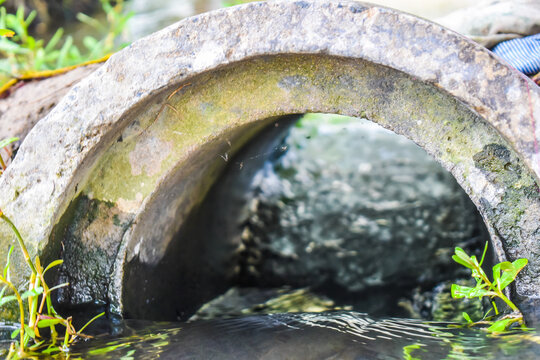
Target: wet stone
{"points": [[241, 301], [334, 212]]}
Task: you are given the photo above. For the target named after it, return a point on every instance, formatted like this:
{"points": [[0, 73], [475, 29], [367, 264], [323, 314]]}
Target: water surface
{"points": [[332, 335]]}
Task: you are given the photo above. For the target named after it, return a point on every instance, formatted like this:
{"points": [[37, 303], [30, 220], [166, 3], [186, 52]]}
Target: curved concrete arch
{"points": [[141, 133]]}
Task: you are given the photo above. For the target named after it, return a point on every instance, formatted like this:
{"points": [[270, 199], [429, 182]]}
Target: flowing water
{"points": [[331, 335]]}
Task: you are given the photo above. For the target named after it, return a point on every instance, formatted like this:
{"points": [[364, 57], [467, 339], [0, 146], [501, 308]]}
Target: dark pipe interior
{"points": [[208, 255]]}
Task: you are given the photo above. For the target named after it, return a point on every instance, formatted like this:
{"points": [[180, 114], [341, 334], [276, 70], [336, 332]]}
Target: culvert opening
{"points": [[320, 212]]}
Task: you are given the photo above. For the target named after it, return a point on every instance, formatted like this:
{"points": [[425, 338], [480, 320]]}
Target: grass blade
{"points": [[91, 321]]}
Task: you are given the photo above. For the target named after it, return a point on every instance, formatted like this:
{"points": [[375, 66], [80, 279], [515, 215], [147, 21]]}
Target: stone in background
{"points": [[334, 212]]}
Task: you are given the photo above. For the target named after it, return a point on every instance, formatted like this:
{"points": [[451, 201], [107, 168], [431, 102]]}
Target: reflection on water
{"points": [[332, 335]]}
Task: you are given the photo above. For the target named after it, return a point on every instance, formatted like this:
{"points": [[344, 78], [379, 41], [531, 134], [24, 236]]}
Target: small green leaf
{"points": [[15, 333], [467, 317], [6, 142], [461, 262], [6, 33], [484, 254], [48, 322], [2, 292], [33, 292], [28, 330], [30, 18], [459, 292], [462, 258], [37, 345], [54, 40], [58, 286], [91, 321], [6, 268], [106, 349], [90, 42], [510, 271], [62, 56], [7, 299], [501, 325], [478, 273], [88, 20], [496, 276], [51, 349], [53, 264]]}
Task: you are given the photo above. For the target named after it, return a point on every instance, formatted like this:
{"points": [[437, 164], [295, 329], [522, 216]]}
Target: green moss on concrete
{"points": [[520, 190], [262, 88]]}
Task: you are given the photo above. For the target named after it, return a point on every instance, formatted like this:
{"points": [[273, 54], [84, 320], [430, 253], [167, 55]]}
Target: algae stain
{"points": [[503, 167], [260, 88], [494, 158]]}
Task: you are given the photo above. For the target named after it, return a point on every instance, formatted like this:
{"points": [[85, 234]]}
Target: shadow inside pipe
{"points": [[350, 214]]}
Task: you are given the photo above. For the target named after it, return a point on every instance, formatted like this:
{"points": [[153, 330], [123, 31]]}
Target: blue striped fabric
{"points": [[523, 53]]}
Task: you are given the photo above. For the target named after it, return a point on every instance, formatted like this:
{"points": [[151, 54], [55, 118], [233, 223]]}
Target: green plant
{"points": [[503, 275], [227, 3], [40, 312], [23, 55], [6, 33]]}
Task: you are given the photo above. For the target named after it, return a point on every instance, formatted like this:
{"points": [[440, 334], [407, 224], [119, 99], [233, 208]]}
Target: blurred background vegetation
{"points": [[54, 34]]}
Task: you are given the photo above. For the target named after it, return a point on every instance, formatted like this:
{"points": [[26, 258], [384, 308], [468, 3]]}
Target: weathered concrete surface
{"points": [[140, 134], [32, 100], [27, 102]]}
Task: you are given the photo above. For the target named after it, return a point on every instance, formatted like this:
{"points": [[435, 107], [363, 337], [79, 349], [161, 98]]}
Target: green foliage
{"points": [[503, 275], [23, 54], [6, 142], [39, 312], [408, 351], [228, 3], [6, 33]]}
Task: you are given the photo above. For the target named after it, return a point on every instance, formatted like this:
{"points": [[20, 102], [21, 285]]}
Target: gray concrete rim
{"points": [[50, 171]]}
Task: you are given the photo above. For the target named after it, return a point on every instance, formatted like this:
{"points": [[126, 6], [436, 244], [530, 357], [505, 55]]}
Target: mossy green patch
{"points": [[190, 114]]}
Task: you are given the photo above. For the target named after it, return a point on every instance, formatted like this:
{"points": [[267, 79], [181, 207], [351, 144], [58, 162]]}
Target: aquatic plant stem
{"points": [[20, 241], [2, 163], [48, 73], [508, 302], [21, 311]]}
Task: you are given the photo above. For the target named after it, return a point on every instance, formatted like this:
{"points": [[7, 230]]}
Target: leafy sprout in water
{"points": [[39, 312], [503, 275]]}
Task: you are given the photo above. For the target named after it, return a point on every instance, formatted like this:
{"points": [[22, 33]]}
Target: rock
{"points": [[241, 301], [356, 215], [30, 101], [491, 22]]}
